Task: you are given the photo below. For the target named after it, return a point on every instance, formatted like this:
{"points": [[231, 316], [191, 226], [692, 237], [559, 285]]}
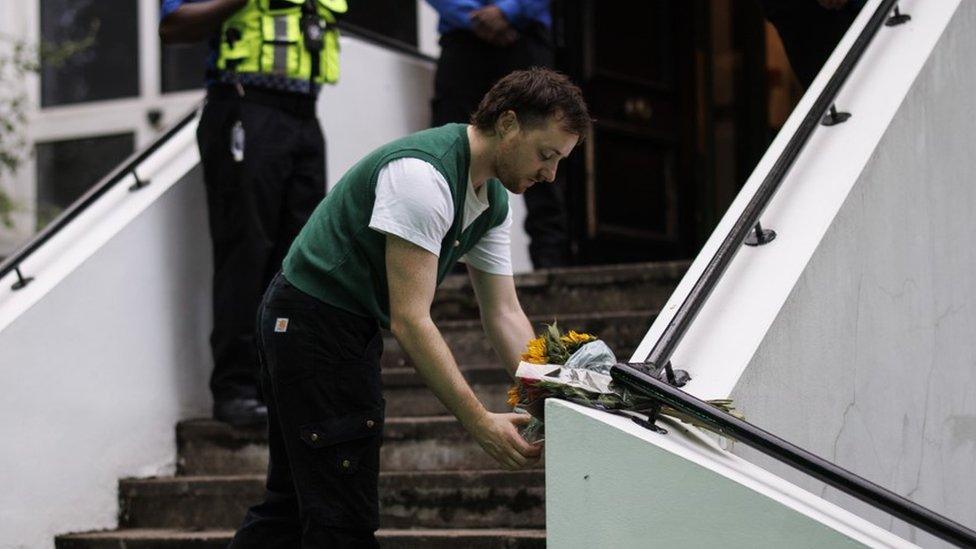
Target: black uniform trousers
{"points": [[809, 32], [320, 373], [258, 201], [466, 70]]}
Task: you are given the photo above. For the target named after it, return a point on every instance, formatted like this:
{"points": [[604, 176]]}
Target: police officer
{"points": [[263, 157]]}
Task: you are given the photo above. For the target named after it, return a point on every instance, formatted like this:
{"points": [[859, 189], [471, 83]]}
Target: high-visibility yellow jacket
{"points": [[272, 37]]}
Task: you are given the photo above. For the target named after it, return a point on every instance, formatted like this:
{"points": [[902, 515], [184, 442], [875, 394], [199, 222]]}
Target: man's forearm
{"points": [[436, 365], [509, 334], [196, 21]]}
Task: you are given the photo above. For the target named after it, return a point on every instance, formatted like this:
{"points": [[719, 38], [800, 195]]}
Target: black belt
{"points": [[297, 104]]}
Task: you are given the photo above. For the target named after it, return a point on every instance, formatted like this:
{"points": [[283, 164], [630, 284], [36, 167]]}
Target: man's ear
{"points": [[506, 123]]}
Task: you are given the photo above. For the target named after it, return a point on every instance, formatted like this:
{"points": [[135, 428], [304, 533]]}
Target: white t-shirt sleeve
{"points": [[413, 202], [493, 253]]}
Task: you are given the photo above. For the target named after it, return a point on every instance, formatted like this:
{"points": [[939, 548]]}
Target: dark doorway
{"points": [[649, 183]]}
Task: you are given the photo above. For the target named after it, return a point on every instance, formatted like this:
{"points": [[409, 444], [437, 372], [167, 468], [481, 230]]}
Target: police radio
{"points": [[313, 27]]}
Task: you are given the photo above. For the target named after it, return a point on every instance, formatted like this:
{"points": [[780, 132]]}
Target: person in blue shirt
{"points": [[482, 41], [263, 158]]}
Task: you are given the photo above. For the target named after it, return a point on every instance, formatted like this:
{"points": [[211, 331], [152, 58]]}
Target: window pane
{"points": [[108, 68], [184, 66], [66, 169], [391, 18]]}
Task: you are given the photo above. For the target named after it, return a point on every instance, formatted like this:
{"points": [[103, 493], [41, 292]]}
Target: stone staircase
{"points": [[438, 489]]}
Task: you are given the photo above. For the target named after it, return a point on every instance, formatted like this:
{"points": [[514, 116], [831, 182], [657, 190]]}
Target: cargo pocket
{"points": [[347, 444]]}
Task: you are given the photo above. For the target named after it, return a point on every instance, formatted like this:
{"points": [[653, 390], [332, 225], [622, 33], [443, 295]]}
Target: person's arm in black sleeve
{"points": [[195, 21]]}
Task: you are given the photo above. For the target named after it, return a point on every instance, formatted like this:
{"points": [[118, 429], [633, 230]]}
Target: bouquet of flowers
{"points": [[576, 367]]}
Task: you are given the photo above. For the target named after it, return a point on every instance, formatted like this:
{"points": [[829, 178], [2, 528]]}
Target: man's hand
{"points": [[490, 25], [832, 4], [498, 435]]}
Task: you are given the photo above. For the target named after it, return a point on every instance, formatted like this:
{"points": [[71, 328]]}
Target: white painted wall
{"points": [[850, 334], [107, 349], [612, 483], [427, 37], [103, 353], [871, 361], [380, 97]]}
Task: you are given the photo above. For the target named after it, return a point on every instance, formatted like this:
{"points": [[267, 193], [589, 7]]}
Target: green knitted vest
{"points": [[341, 261]]}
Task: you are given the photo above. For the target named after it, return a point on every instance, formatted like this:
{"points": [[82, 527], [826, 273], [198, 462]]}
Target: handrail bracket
{"points": [[22, 281], [139, 184], [833, 117], [759, 236], [897, 18]]}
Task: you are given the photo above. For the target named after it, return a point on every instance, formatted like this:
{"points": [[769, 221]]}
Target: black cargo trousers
{"points": [[320, 374], [263, 179]]}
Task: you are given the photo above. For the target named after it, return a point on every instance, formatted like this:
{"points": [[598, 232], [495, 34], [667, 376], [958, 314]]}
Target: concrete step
{"points": [[622, 330], [572, 290], [430, 443], [407, 395], [455, 499], [152, 538]]}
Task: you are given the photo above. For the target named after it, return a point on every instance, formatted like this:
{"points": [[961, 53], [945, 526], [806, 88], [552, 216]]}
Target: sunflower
{"points": [[575, 340], [513, 396], [536, 353]]}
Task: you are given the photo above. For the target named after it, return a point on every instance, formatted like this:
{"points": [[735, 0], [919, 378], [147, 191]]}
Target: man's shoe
{"points": [[241, 412]]}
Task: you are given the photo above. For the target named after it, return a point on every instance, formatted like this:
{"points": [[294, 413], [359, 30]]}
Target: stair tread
{"points": [[176, 533], [403, 420], [589, 274], [571, 290], [622, 330], [563, 318], [258, 477], [395, 428], [410, 443], [407, 376]]}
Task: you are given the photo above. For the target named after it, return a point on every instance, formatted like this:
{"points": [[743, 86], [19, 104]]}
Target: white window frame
{"points": [[21, 20]]}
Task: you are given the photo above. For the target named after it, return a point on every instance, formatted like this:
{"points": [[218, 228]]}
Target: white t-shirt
{"points": [[413, 202]]}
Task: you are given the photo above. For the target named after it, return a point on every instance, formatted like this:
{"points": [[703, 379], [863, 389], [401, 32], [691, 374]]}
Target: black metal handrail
{"points": [[12, 263], [790, 454], [126, 168]]}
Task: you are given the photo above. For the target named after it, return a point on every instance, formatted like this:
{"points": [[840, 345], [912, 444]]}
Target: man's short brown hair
{"points": [[534, 95]]}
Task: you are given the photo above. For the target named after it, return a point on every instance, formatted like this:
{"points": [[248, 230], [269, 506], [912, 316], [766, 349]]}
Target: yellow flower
{"points": [[576, 338], [536, 353], [513, 396]]}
